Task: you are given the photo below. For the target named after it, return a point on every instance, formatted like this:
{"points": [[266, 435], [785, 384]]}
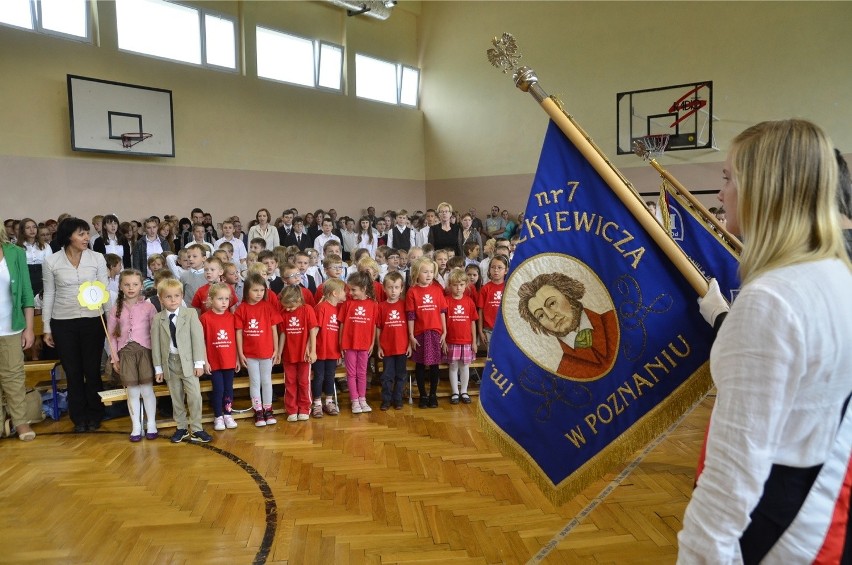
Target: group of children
{"points": [[195, 314]]}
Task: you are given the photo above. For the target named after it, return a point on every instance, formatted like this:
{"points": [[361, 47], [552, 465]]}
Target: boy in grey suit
{"points": [[179, 354]]}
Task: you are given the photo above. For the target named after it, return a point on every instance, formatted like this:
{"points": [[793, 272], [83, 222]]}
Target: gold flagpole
{"points": [[735, 243], [504, 56]]}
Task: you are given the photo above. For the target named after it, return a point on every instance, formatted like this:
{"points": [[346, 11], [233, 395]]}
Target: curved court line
{"points": [[271, 507]]}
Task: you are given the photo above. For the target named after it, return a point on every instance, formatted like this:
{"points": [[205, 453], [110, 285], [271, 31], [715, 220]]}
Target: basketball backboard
{"points": [[683, 112], [102, 111]]}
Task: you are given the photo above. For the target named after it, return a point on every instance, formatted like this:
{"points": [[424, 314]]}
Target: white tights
{"points": [[458, 372], [149, 400]]}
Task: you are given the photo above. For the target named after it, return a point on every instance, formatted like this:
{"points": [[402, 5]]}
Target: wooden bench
{"points": [[410, 366], [113, 396]]}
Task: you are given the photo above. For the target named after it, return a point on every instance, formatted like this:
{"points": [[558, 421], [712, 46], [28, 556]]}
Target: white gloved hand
{"points": [[713, 303]]}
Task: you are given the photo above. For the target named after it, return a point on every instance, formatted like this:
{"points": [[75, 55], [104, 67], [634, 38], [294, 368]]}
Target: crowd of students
{"points": [[309, 299]]}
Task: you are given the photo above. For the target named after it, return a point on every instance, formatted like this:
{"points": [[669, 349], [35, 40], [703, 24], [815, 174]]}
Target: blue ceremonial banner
{"points": [[701, 244], [599, 346]]}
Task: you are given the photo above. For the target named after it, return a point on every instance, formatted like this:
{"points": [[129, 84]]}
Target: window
{"points": [[68, 18], [297, 60], [172, 31], [392, 83]]}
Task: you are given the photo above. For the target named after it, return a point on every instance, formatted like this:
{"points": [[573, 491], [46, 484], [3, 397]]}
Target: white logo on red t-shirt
{"points": [[294, 321], [253, 324], [393, 315], [427, 299]]}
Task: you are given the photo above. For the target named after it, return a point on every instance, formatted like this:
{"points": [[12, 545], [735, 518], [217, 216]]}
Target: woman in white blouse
{"points": [[75, 331], [36, 249], [264, 230], [782, 361]]}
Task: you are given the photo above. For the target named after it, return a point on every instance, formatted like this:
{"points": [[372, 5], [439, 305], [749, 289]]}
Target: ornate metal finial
{"points": [[505, 53], [641, 149]]}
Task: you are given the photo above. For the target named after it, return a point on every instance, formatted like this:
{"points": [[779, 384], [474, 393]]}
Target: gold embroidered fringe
{"points": [[648, 427]]}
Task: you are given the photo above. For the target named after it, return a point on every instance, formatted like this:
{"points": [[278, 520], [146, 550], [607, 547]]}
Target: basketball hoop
{"points": [[128, 140], [651, 146]]}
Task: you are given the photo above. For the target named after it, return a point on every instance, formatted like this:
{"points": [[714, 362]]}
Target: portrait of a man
{"points": [[551, 303]]}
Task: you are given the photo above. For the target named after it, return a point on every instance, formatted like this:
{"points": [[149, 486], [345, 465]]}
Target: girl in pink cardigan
{"points": [[129, 325]]}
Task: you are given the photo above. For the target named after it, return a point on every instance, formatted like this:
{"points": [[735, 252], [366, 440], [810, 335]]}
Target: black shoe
{"points": [[465, 397], [80, 428], [454, 399], [94, 425], [397, 406], [200, 437], [424, 402], [433, 401], [385, 406], [179, 436]]}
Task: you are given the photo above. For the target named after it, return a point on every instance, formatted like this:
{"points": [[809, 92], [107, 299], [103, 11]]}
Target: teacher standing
{"points": [[16, 331], [445, 234], [781, 362], [75, 331]]}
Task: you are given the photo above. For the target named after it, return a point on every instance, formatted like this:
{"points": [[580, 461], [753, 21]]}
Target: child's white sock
{"points": [[149, 399], [464, 371], [133, 395], [454, 376]]}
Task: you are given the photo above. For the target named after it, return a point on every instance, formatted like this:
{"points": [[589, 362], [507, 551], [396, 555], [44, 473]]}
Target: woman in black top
{"points": [[444, 234], [115, 239]]}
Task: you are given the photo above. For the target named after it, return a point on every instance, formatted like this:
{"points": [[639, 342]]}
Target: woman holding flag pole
{"points": [[780, 437]]}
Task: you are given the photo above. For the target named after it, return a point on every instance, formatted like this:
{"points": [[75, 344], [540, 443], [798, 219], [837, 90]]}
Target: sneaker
{"points": [[433, 401], [316, 410], [230, 423], [424, 402], [385, 406], [293, 418], [259, 420], [303, 417], [331, 409], [200, 437], [179, 436], [356, 407], [364, 406], [219, 423], [269, 417]]}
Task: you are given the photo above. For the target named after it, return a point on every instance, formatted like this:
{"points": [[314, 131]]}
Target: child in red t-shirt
{"points": [[213, 272], [461, 334], [392, 337], [473, 282], [426, 311], [328, 347], [490, 296], [357, 337], [299, 351], [256, 320], [220, 336]]}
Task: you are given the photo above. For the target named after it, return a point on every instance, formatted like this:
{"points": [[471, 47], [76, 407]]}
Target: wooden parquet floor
{"points": [[410, 486]]}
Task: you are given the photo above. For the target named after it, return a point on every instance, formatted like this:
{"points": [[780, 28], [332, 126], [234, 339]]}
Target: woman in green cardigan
{"points": [[16, 331]]}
